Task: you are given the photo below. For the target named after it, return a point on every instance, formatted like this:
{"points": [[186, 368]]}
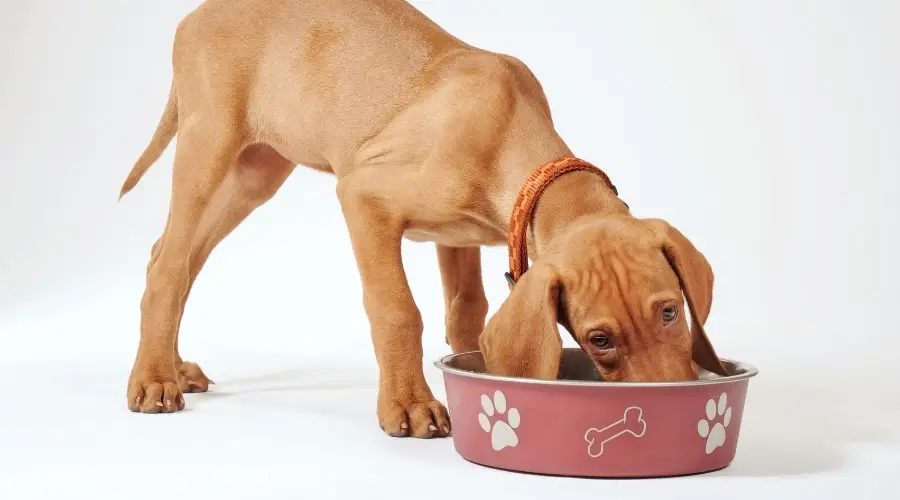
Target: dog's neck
{"points": [[564, 201]]}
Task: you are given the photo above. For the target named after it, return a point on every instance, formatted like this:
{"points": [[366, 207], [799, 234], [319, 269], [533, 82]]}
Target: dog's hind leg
{"points": [[257, 176], [464, 298], [206, 151]]}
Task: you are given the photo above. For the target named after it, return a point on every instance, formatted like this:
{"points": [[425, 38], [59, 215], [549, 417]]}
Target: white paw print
{"points": [[715, 436], [503, 433]]}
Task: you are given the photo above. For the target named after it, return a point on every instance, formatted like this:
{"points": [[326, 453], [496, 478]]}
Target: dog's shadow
{"points": [[795, 427], [313, 391]]}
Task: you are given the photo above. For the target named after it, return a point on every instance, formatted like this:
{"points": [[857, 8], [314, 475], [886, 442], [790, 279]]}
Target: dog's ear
{"points": [[696, 278], [522, 338]]}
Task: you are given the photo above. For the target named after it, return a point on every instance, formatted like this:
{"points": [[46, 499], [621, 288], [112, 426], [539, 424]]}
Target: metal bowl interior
{"points": [[576, 368]]}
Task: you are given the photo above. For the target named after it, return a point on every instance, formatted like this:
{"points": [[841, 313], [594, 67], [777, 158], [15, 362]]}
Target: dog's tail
{"points": [[165, 131]]}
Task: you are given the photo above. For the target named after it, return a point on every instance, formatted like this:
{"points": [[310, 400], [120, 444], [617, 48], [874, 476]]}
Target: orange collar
{"points": [[526, 201]]}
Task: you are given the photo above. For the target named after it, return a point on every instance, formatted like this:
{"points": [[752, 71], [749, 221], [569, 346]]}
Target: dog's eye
{"points": [[601, 342], [669, 314]]}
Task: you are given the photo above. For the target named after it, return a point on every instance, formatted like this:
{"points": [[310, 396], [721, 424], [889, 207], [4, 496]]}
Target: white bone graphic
{"points": [[632, 423]]}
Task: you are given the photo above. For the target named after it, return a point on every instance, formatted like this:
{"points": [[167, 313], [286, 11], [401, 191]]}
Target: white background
{"points": [[767, 131]]}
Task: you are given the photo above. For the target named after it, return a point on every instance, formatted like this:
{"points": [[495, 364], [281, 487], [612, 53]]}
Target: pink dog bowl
{"points": [[581, 426]]}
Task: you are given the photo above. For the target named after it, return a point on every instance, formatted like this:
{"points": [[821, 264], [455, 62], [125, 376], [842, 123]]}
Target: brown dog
{"points": [[430, 139]]}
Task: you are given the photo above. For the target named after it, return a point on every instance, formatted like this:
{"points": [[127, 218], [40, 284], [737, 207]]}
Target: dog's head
{"points": [[618, 285]]}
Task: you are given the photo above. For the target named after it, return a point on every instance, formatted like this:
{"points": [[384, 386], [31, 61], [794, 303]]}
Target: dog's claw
{"points": [[191, 378], [152, 395], [423, 420], [403, 432]]}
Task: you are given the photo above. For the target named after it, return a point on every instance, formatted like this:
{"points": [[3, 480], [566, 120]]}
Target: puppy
{"points": [[429, 139]]}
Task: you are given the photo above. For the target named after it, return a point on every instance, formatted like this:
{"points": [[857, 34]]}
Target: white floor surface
{"points": [[296, 420]]}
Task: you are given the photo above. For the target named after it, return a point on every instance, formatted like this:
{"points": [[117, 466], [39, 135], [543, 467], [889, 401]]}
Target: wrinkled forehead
{"points": [[628, 268], [615, 265]]}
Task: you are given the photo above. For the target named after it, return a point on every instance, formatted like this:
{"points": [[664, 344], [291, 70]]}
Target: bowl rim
{"points": [[745, 371]]}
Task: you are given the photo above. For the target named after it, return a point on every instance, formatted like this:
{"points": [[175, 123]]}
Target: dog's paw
{"points": [[154, 393], [192, 379], [420, 419]]}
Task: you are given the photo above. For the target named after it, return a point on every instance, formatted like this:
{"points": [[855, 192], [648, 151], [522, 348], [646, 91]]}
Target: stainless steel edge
{"points": [[745, 371]]}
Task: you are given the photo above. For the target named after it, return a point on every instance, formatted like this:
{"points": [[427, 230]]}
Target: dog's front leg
{"points": [[406, 406], [465, 303]]}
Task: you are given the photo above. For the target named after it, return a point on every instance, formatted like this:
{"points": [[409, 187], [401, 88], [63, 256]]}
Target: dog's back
{"points": [[321, 75]]}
